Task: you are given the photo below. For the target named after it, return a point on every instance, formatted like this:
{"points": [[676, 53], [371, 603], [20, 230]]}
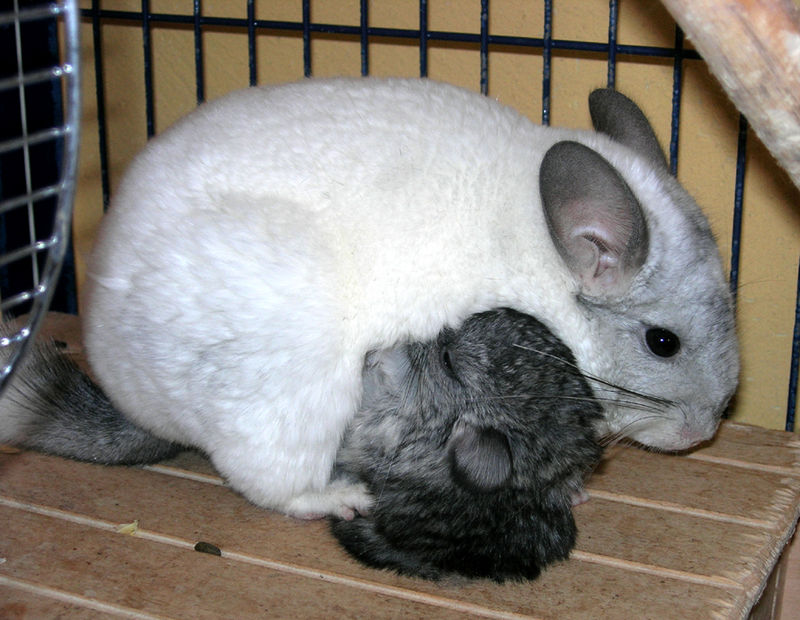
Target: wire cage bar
{"points": [[41, 202]]}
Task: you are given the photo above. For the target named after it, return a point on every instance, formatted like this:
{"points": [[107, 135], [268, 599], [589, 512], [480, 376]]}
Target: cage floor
{"points": [[661, 537]]}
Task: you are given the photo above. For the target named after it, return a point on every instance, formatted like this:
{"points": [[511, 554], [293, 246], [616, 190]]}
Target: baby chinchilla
{"points": [[474, 445]]}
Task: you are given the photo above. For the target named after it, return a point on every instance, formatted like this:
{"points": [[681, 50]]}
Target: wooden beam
{"points": [[753, 48]]}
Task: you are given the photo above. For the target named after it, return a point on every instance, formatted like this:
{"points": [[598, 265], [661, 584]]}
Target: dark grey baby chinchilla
{"points": [[474, 445]]}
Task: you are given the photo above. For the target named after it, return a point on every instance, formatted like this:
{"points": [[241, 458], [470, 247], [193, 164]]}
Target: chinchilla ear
{"points": [[594, 219], [621, 119], [480, 458]]}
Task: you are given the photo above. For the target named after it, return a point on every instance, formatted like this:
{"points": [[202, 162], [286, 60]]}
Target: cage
{"points": [[148, 62]]}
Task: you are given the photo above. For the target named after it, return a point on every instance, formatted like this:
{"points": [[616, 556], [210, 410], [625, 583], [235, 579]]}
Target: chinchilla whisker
{"points": [[639, 421], [620, 437], [635, 404], [630, 404], [588, 399], [612, 440], [613, 386], [623, 390], [385, 469]]}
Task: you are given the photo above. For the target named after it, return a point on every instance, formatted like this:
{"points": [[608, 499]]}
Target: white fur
{"points": [[256, 251]]}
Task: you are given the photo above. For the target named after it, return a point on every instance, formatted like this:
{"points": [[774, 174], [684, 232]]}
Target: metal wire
{"points": [[612, 43], [547, 52], [793, 369], [52, 245]]}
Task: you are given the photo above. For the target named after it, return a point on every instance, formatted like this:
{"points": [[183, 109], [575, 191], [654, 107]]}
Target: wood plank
{"points": [[747, 495], [188, 510], [21, 600], [789, 598], [750, 446], [163, 579], [673, 540], [637, 534]]}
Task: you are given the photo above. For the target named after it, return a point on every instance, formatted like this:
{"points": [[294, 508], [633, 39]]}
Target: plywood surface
{"points": [[661, 537]]}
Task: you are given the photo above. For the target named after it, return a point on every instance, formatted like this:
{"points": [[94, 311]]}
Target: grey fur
{"points": [[473, 445], [594, 219], [52, 406], [621, 119]]}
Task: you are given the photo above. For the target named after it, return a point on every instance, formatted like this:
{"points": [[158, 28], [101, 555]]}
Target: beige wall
{"points": [[771, 228]]}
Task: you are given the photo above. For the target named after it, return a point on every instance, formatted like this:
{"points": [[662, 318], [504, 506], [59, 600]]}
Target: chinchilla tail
{"points": [[52, 406]]}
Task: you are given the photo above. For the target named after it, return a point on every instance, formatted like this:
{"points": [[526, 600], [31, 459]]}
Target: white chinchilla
{"points": [[258, 249]]}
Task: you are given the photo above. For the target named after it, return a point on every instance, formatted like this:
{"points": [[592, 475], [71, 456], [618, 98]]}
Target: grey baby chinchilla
{"points": [[474, 445]]}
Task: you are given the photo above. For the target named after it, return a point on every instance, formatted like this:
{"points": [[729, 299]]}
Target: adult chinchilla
{"points": [[258, 249]]}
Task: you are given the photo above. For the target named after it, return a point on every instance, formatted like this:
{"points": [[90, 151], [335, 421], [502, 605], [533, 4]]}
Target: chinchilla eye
{"points": [[447, 362], [662, 342]]}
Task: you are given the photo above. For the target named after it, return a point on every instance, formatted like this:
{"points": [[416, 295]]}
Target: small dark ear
{"points": [[621, 119], [593, 217], [480, 458]]}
